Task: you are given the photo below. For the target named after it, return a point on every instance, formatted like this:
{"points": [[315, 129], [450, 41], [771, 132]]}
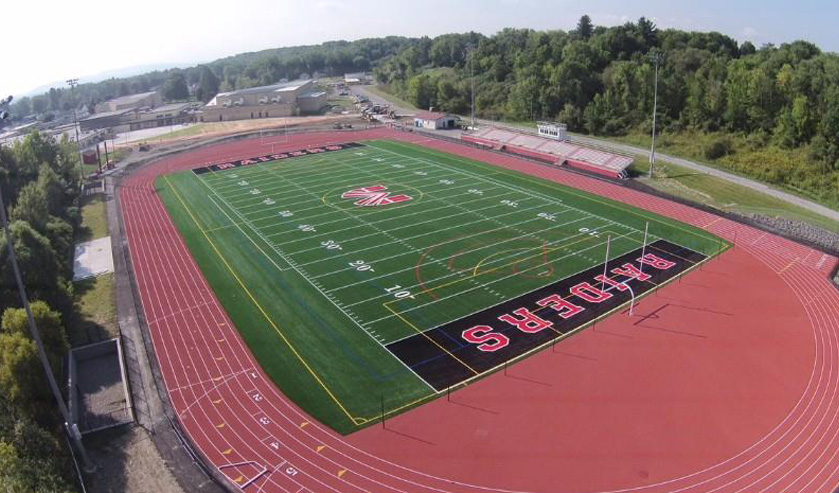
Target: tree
{"points": [[648, 32], [21, 373], [421, 91], [584, 27], [32, 207], [208, 85], [48, 321], [747, 48], [175, 88], [39, 266]]}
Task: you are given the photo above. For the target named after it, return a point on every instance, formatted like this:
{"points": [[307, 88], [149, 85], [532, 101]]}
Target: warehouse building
{"points": [[134, 101], [278, 100]]}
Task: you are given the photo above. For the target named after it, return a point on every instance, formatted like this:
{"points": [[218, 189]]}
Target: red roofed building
{"points": [[434, 120]]}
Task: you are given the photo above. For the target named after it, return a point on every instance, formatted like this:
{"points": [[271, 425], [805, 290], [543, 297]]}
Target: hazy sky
{"points": [[56, 40]]}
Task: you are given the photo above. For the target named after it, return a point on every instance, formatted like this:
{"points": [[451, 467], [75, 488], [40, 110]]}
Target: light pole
{"points": [[71, 429], [657, 58], [469, 53], [73, 83]]}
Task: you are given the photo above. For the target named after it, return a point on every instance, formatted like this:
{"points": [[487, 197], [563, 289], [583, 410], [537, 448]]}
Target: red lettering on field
{"points": [[631, 272], [565, 308], [590, 293], [611, 282], [529, 323], [656, 261], [482, 335]]}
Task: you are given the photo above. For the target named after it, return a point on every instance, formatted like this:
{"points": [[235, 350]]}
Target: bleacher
{"points": [[553, 151]]}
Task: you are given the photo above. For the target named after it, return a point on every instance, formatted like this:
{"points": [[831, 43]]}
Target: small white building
{"points": [[552, 130], [434, 120]]}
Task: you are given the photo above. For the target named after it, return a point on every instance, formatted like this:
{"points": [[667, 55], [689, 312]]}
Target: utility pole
{"points": [[73, 83], [469, 53], [71, 429], [657, 58]]}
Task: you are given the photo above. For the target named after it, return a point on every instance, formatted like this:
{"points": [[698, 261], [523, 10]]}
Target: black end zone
{"points": [[275, 157], [443, 358]]}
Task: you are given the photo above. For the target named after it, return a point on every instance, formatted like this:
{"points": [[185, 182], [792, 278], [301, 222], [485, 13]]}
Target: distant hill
{"points": [[110, 74]]}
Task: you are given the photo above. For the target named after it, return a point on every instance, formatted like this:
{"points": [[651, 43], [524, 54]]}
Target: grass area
{"points": [[724, 195], [383, 92], [96, 317], [96, 311], [791, 170], [94, 218], [318, 286]]}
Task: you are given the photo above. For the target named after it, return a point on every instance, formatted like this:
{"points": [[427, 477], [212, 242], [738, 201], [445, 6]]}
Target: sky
{"points": [[54, 41]]}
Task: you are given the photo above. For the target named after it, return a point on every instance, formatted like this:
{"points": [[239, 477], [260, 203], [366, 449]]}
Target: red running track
{"points": [[727, 382]]}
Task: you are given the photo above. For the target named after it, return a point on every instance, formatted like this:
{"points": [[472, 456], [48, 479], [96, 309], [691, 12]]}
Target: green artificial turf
{"points": [[318, 285]]}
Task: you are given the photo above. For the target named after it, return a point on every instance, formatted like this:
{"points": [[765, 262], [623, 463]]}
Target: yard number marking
{"points": [[285, 213], [361, 266], [330, 245], [399, 293]]}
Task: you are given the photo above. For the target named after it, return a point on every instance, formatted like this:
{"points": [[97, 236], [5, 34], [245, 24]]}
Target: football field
{"points": [[366, 277]]}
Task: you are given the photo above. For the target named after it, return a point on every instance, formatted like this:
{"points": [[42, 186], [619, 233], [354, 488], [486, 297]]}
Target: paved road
{"points": [[638, 151]]}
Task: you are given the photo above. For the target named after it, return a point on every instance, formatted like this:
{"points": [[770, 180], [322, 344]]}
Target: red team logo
{"points": [[373, 196]]}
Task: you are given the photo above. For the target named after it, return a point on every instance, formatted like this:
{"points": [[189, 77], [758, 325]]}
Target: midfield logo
{"points": [[375, 195]]}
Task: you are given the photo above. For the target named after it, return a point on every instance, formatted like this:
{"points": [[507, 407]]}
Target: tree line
{"points": [[203, 81], [39, 182], [600, 80]]}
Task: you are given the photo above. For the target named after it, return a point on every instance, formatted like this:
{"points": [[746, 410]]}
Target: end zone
{"points": [[448, 355]]}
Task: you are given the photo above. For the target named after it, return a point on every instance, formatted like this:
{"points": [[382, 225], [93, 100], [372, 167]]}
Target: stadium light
{"points": [[657, 58], [469, 54], [73, 83]]}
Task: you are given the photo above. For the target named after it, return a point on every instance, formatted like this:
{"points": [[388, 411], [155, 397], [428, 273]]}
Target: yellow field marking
{"points": [[217, 379], [566, 245], [227, 452], [219, 228], [320, 447], [220, 426], [475, 270], [256, 303], [429, 338], [342, 472], [219, 358], [239, 479], [787, 267], [304, 424], [543, 251], [715, 221], [217, 402]]}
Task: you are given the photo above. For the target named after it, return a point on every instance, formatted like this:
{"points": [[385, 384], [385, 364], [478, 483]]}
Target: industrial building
{"points": [[278, 100], [134, 101]]}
